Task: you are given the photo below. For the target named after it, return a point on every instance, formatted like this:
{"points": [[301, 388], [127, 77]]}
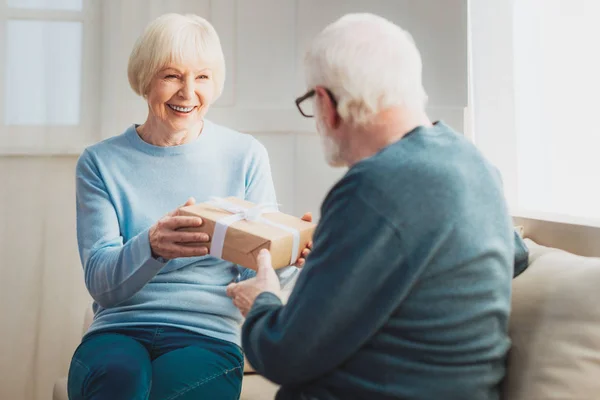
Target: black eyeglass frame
{"points": [[310, 94]]}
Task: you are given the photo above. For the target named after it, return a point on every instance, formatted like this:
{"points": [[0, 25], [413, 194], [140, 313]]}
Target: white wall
{"points": [[42, 297], [264, 43]]}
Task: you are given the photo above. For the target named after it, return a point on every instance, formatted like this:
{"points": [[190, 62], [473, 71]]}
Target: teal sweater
{"points": [[406, 294], [124, 185]]}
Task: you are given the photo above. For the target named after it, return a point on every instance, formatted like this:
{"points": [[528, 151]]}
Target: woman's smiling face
{"points": [[179, 96]]}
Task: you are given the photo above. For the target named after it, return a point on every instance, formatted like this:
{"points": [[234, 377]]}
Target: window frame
{"points": [[56, 139], [492, 80]]}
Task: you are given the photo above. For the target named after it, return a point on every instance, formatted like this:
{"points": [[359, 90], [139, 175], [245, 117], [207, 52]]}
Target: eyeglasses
{"points": [[306, 107]]}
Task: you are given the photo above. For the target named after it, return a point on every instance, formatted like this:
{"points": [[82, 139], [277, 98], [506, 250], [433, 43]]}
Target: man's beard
{"points": [[332, 150]]}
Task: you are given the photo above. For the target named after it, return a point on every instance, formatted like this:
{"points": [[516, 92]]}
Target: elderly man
{"points": [[406, 293]]}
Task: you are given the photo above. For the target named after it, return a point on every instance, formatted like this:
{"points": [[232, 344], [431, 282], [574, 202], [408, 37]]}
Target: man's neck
{"points": [[387, 127]]}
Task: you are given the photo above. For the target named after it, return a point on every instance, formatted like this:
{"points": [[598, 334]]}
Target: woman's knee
{"points": [[122, 371], [197, 373], [114, 379]]}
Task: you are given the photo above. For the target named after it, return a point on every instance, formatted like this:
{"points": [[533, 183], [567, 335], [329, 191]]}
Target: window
{"points": [[49, 87], [535, 84]]}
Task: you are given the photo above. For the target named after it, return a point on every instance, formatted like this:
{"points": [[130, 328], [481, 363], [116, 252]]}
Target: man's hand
{"points": [[245, 293], [306, 251]]}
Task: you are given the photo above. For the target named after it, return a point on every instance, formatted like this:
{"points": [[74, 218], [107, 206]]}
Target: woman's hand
{"points": [[168, 242], [302, 259]]}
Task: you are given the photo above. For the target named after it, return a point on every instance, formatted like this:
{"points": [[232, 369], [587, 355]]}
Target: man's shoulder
{"points": [[422, 177], [429, 156]]}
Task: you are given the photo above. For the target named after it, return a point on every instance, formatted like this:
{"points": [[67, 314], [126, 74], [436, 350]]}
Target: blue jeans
{"points": [[153, 362]]}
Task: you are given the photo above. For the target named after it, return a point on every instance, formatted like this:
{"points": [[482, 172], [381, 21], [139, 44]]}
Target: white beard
{"points": [[332, 150]]}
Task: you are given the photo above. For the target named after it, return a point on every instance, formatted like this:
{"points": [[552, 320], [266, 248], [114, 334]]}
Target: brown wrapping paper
{"points": [[244, 239]]}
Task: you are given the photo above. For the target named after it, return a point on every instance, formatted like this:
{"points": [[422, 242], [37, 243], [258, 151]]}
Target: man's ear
{"points": [[329, 109]]}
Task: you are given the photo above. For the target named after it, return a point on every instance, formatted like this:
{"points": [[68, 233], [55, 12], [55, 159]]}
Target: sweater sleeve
{"points": [[114, 271], [521, 258], [260, 189], [521, 255], [346, 292]]}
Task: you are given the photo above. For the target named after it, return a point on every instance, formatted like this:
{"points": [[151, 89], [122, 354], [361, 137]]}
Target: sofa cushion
{"points": [[60, 390], [255, 387], [555, 328]]}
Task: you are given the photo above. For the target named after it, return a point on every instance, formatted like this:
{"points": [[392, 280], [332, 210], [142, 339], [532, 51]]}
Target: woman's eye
{"points": [[202, 77], [171, 77]]}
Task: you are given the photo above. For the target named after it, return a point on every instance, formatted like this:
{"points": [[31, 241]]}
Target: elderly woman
{"points": [[164, 327]]}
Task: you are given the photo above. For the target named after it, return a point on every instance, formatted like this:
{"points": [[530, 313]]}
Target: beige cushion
{"points": [[255, 387], [247, 367], [60, 390], [555, 328]]}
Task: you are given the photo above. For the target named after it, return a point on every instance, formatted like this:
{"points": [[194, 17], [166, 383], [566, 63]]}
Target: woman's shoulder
{"points": [[106, 148], [235, 139], [108, 144]]}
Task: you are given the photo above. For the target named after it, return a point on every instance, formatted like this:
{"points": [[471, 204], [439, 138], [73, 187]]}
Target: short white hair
{"points": [[175, 38], [369, 64]]}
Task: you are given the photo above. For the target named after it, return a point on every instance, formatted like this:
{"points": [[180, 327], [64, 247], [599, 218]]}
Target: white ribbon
{"points": [[249, 214]]}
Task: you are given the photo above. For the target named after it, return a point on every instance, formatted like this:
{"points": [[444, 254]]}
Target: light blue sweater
{"points": [[125, 185]]}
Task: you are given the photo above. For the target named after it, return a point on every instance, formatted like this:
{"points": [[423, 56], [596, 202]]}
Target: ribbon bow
{"points": [[249, 214]]}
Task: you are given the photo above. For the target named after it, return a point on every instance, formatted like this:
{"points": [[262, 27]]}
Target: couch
{"points": [[554, 327]]}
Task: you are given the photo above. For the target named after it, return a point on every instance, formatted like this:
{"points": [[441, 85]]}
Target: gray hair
{"points": [[369, 64]]}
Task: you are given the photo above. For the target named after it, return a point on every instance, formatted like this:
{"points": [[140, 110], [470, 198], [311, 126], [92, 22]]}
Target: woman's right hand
{"points": [[168, 242]]}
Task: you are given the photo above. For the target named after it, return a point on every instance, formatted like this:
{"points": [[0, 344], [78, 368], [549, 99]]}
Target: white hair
{"points": [[175, 38], [369, 64]]}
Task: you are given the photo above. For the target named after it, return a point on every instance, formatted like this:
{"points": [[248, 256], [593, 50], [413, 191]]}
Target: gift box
{"points": [[239, 229]]}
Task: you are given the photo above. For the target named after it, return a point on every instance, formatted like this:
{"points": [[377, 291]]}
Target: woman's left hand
{"points": [[302, 260]]}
